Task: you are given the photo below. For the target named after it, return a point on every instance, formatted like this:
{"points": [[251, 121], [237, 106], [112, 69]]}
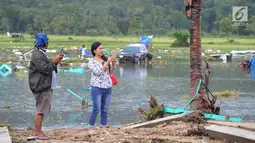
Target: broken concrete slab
{"points": [[242, 125], [4, 135], [229, 133], [157, 121]]}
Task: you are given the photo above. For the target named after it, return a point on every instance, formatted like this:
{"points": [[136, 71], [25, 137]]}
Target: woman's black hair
{"points": [[94, 46]]}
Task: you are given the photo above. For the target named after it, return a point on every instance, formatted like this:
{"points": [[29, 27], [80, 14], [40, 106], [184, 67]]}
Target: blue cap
{"points": [[41, 40]]}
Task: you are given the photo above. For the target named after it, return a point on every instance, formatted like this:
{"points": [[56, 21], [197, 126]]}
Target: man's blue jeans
{"points": [[101, 99]]}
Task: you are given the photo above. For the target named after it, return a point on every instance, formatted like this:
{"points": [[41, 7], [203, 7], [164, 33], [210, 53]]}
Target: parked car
{"points": [[133, 53]]}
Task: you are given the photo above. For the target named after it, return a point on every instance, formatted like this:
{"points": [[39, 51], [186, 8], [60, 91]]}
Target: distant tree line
{"points": [[115, 17]]}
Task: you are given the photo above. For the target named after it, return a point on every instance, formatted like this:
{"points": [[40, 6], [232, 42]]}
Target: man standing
{"points": [[83, 51], [42, 79]]}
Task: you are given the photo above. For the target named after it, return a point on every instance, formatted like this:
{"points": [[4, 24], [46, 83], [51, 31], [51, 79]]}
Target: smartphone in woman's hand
{"points": [[113, 54]]}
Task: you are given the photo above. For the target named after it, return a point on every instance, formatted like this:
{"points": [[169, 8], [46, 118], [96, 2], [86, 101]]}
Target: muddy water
{"points": [[169, 83]]}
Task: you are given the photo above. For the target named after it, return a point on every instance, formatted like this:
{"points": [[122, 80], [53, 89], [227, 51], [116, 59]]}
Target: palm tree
{"points": [[193, 12]]}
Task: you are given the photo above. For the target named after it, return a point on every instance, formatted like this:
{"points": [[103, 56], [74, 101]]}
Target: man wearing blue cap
{"points": [[42, 79]]}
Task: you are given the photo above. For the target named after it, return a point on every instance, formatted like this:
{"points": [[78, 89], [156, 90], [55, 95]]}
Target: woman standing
{"points": [[101, 83]]}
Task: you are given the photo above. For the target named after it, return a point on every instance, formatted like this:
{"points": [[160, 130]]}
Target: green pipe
{"points": [[207, 88], [198, 87], [75, 94]]}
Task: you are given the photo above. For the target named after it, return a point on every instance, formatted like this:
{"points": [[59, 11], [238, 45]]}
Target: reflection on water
{"points": [[134, 70], [137, 83], [252, 74]]}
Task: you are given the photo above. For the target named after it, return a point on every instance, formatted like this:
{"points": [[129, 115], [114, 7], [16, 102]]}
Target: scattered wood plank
{"points": [[157, 122], [229, 133], [4, 135], [242, 125]]}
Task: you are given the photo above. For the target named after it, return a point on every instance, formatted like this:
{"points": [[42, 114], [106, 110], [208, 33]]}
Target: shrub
{"points": [[181, 38]]}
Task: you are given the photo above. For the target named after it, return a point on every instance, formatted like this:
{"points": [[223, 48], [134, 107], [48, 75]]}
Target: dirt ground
{"points": [[185, 131]]}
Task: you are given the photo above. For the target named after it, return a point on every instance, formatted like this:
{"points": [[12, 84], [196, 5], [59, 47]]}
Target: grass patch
{"points": [[119, 42], [80, 106], [185, 97], [5, 107], [226, 93], [12, 107], [160, 45]]}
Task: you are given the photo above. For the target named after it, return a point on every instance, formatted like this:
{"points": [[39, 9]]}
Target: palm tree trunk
{"points": [[201, 102]]}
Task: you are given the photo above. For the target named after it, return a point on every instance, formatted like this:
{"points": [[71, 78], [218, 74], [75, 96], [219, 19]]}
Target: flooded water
{"points": [[169, 83]]}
